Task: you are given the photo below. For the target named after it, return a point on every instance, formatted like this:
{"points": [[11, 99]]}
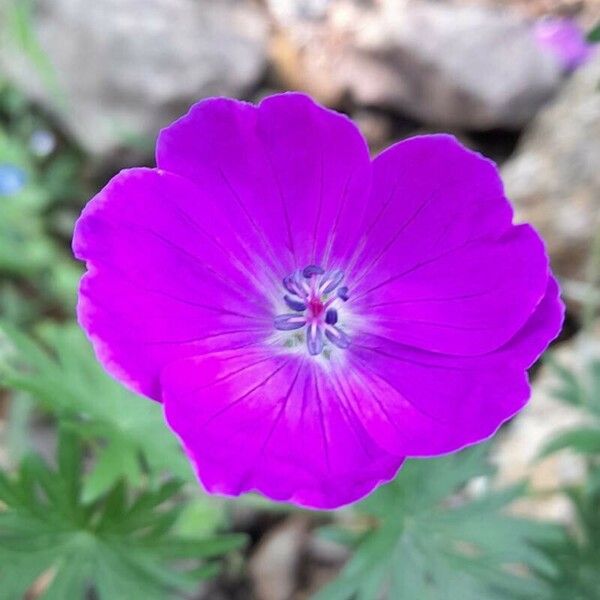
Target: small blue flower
{"points": [[42, 143], [12, 179]]}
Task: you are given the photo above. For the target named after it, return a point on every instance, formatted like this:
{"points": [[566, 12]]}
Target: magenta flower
{"points": [[310, 317], [565, 40]]}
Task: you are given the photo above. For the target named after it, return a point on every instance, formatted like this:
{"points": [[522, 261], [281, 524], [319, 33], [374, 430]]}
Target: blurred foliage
{"points": [[575, 559], [24, 248], [581, 389], [575, 572], [114, 526], [128, 432], [121, 545], [429, 538], [17, 29], [37, 274], [594, 35]]}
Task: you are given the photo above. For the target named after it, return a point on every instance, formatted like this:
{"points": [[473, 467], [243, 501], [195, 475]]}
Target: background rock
{"points": [[129, 67], [274, 565], [587, 11], [554, 178], [323, 561], [450, 65], [377, 127]]}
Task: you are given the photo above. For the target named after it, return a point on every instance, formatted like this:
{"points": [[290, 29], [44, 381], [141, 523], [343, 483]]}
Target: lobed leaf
{"points": [[123, 545], [62, 374], [431, 540]]}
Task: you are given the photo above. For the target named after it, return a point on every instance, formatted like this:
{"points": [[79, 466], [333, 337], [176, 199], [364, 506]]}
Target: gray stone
{"points": [[125, 68], [273, 567], [554, 178], [377, 128], [453, 66]]}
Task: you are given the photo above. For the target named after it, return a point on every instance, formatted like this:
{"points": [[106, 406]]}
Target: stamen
{"points": [[331, 316], [342, 293], [337, 337], [296, 305], [311, 270], [289, 322], [314, 339], [331, 281], [292, 283]]}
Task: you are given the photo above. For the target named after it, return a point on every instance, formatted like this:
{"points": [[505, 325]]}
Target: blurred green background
{"points": [[96, 498]]}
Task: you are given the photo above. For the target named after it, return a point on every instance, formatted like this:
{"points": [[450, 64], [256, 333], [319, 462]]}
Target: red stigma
{"points": [[316, 307]]}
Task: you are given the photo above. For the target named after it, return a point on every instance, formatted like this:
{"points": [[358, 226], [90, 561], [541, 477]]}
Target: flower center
{"points": [[312, 295]]}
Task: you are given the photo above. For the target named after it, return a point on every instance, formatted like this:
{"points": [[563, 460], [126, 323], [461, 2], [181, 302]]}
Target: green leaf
{"points": [[569, 390], [62, 374], [594, 35], [25, 248], [584, 440], [115, 461], [429, 539], [124, 545], [73, 572], [19, 25], [69, 463], [578, 384], [574, 561], [207, 548]]}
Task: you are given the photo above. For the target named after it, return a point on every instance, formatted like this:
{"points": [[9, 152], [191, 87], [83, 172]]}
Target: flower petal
{"points": [[251, 421], [533, 338], [292, 176], [417, 403], [161, 284], [442, 267]]}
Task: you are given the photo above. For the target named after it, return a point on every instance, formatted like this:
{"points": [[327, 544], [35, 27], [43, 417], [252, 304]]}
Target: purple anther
{"points": [[314, 339], [337, 337], [289, 322], [343, 293], [331, 316], [331, 281], [311, 270], [290, 283], [296, 305]]}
